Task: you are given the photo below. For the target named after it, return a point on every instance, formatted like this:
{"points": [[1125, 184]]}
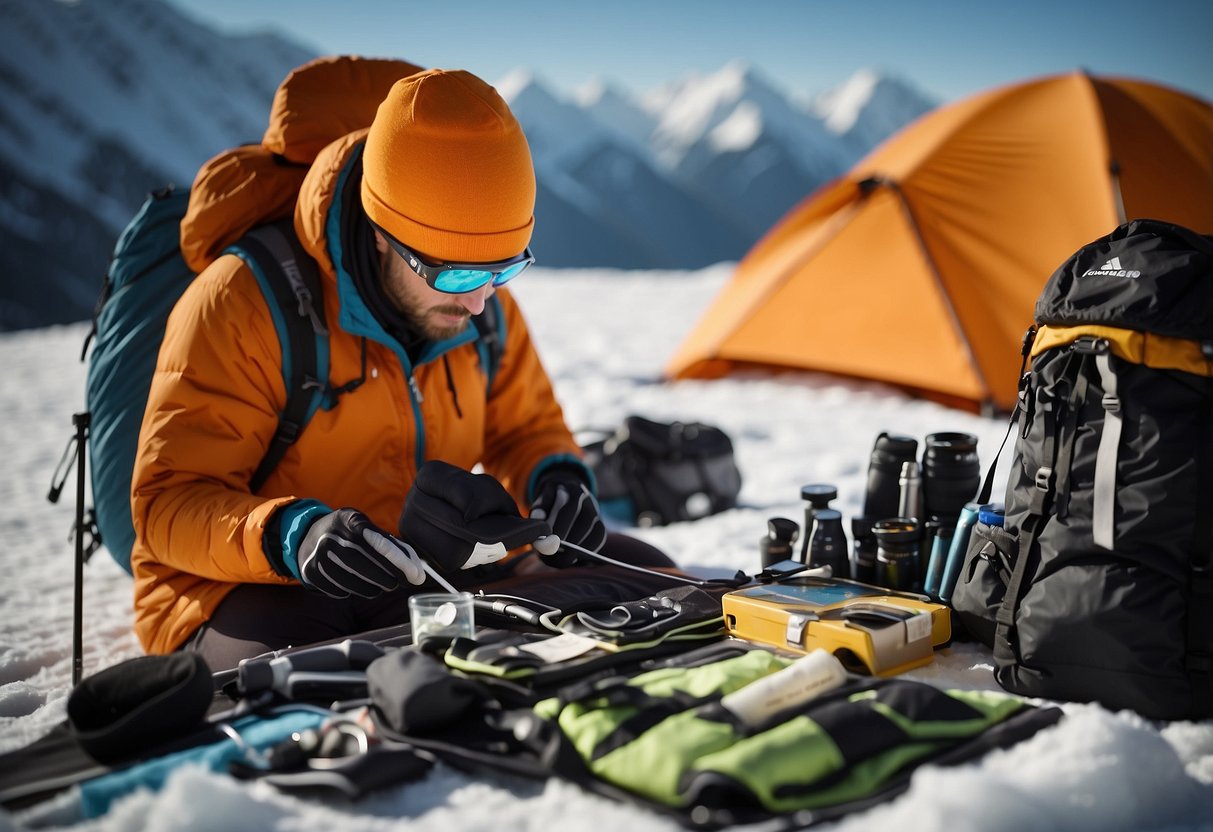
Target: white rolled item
{"points": [[804, 679]]}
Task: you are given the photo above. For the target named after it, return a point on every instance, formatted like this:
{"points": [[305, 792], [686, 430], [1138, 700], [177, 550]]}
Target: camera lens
{"points": [[897, 552], [884, 469], [951, 474], [865, 550]]}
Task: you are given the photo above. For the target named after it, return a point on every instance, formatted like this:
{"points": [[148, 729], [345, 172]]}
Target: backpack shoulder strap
{"points": [[490, 338], [290, 283]]}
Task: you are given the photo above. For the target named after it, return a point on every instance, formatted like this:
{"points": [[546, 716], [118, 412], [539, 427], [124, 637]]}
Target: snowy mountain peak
{"points": [[840, 108], [870, 105], [733, 108], [617, 112], [517, 82], [558, 131], [104, 100]]}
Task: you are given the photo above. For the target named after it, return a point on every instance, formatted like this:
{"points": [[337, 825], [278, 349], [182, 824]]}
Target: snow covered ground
{"points": [[604, 337]]}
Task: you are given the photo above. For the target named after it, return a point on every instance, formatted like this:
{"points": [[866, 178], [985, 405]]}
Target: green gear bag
{"points": [[664, 737]]}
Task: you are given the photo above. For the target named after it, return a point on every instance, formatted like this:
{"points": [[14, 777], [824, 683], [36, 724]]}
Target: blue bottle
{"points": [[992, 514], [938, 558], [956, 551]]}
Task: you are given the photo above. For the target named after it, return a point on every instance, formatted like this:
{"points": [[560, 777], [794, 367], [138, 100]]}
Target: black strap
{"points": [[1045, 484], [1199, 657], [1022, 405], [295, 282], [1065, 459]]}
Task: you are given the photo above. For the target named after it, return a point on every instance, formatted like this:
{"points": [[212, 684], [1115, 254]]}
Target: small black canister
{"points": [[818, 496], [779, 543], [828, 545]]}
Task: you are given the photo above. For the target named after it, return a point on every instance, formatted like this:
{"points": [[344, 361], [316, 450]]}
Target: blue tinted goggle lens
{"points": [[510, 272], [461, 280], [453, 279], [457, 281]]}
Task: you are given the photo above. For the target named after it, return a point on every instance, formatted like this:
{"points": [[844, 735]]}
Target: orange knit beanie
{"points": [[447, 171]]}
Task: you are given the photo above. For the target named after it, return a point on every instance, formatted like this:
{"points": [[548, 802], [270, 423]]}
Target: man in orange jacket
{"points": [[415, 224]]}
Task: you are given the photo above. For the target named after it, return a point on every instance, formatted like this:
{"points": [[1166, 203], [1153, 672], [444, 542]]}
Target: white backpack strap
{"points": [[1103, 519]]}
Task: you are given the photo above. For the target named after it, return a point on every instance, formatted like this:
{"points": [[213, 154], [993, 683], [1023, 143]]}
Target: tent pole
{"points": [[1117, 196]]}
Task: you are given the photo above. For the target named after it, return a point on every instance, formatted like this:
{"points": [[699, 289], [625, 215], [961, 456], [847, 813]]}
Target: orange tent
{"points": [[921, 266]]}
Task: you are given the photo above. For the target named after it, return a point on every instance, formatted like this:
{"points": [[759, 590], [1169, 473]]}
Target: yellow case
{"points": [[871, 629]]}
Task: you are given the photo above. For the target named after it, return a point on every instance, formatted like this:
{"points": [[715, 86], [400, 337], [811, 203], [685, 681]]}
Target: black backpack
{"points": [[654, 473], [1100, 586]]}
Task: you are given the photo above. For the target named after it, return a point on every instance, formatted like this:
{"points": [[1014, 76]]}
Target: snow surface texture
{"points": [[604, 337]]}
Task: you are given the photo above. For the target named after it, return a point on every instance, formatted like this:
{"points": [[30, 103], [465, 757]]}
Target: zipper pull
{"points": [[416, 391]]}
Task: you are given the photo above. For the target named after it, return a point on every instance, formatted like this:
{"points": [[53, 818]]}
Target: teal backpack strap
{"points": [[291, 284], [490, 338]]}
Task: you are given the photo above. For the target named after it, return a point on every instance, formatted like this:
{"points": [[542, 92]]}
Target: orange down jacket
{"points": [[218, 389]]}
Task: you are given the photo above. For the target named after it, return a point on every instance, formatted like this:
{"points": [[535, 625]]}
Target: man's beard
{"points": [[433, 331], [423, 323]]}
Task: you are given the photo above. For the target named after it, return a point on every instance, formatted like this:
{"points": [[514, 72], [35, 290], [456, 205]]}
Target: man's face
{"points": [[433, 314]]}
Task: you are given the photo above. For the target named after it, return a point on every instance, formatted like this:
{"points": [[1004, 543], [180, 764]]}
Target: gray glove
{"points": [[344, 554]]}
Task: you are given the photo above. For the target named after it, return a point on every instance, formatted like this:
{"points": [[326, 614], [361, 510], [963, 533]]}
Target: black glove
{"points": [[344, 554], [564, 500], [458, 520]]}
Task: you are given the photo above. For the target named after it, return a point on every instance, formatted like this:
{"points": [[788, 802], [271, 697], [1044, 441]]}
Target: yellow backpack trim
{"points": [[1161, 352]]}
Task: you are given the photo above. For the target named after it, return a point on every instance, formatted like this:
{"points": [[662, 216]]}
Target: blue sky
{"points": [[948, 48]]}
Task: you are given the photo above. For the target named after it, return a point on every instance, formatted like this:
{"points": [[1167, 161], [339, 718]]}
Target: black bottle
{"points": [[779, 542], [819, 496], [884, 470], [828, 545]]}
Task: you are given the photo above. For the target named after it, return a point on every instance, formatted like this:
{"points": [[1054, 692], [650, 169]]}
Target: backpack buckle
{"points": [[1044, 479], [1090, 345]]}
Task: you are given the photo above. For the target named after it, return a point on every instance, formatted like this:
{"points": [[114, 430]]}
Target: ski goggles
{"points": [[457, 278]]}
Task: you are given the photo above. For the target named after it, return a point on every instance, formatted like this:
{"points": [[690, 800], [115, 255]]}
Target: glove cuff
{"points": [[563, 467], [296, 519]]}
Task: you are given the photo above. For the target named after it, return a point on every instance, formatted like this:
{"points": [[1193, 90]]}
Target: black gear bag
{"points": [[655, 473], [1101, 587]]}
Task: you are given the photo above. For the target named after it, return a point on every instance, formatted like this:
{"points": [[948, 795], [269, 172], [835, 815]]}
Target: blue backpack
{"points": [[146, 276]]}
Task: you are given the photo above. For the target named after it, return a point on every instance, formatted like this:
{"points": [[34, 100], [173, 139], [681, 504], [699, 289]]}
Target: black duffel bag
{"points": [[654, 473]]}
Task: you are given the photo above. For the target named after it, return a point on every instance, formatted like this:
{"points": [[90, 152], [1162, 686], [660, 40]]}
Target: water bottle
{"points": [[956, 550], [932, 578], [992, 514]]}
